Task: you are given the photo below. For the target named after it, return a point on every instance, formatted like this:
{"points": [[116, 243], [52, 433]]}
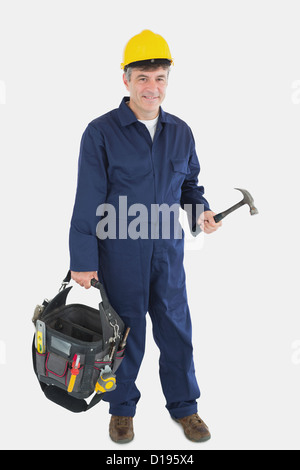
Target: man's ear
{"points": [[125, 81]]}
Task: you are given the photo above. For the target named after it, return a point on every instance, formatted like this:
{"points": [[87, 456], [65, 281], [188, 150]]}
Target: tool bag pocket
{"points": [[118, 359], [56, 367]]}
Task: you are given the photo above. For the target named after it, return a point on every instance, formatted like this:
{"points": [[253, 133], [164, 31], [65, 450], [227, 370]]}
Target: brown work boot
{"points": [[194, 428], [121, 429]]}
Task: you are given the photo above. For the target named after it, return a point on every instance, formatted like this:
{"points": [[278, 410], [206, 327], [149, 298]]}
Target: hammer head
{"points": [[248, 199]]}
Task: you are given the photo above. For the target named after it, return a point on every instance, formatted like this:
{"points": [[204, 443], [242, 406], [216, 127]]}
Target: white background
{"points": [[236, 83]]}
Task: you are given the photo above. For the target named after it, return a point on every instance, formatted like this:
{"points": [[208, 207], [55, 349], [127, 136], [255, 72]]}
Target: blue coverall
{"points": [[118, 158]]}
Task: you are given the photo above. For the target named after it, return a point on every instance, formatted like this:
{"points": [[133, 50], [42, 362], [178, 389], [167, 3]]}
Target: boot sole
{"points": [[122, 441], [202, 439]]}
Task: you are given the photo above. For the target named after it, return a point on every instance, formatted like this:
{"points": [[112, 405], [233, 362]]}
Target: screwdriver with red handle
{"points": [[74, 372]]}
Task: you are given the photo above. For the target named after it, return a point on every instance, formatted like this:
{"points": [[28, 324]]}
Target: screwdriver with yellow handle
{"points": [[74, 372], [40, 337]]}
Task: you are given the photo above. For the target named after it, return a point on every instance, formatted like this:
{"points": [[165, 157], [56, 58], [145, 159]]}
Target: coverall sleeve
{"points": [[91, 192], [192, 195]]}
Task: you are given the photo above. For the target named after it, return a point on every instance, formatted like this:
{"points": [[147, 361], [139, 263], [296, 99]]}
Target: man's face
{"points": [[147, 91]]}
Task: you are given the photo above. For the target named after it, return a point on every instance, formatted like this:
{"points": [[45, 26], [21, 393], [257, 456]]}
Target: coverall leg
{"points": [[148, 275], [172, 329]]}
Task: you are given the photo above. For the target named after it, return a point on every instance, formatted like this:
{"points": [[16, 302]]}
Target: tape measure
{"points": [[106, 381]]}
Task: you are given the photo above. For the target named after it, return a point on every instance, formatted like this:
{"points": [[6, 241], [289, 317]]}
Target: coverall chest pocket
{"points": [[180, 170], [130, 169]]}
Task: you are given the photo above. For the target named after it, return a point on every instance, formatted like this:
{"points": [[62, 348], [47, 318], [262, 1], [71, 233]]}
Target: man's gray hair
{"points": [[128, 70], [128, 73]]}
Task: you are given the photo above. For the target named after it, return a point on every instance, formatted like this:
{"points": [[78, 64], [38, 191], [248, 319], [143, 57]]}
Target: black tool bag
{"points": [[75, 330]]}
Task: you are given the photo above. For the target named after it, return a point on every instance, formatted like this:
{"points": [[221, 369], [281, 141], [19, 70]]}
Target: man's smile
{"points": [[150, 98]]}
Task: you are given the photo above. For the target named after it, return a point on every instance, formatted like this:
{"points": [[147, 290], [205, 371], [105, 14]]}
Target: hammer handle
{"points": [[223, 214]]}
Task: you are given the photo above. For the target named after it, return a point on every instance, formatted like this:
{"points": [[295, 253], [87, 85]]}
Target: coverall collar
{"points": [[128, 117]]}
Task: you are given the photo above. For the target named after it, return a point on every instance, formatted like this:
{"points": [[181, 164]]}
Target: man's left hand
{"points": [[207, 222]]}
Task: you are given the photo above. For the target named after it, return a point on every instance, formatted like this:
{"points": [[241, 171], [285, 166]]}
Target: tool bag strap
{"points": [[62, 398], [94, 283], [109, 317]]}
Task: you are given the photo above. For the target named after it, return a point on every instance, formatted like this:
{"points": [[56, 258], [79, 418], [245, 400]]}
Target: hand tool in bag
{"points": [[106, 381], [38, 312], [247, 199], [124, 340], [74, 372], [40, 337]]}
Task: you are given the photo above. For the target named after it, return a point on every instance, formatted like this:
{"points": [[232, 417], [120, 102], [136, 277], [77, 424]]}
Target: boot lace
{"points": [[123, 421], [195, 420]]}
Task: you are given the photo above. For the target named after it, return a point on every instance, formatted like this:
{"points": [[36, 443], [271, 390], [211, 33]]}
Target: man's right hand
{"points": [[84, 278]]}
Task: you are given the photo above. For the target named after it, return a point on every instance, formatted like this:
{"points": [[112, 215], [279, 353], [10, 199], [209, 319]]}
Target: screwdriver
{"points": [[74, 372]]}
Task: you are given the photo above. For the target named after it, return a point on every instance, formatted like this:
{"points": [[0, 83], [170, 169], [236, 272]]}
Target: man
{"points": [[140, 152]]}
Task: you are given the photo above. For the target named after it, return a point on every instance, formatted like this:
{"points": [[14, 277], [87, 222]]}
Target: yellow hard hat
{"points": [[146, 46]]}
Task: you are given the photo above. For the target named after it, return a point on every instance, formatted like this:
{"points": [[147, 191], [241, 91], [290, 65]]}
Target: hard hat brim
{"points": [[142, 63]]}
